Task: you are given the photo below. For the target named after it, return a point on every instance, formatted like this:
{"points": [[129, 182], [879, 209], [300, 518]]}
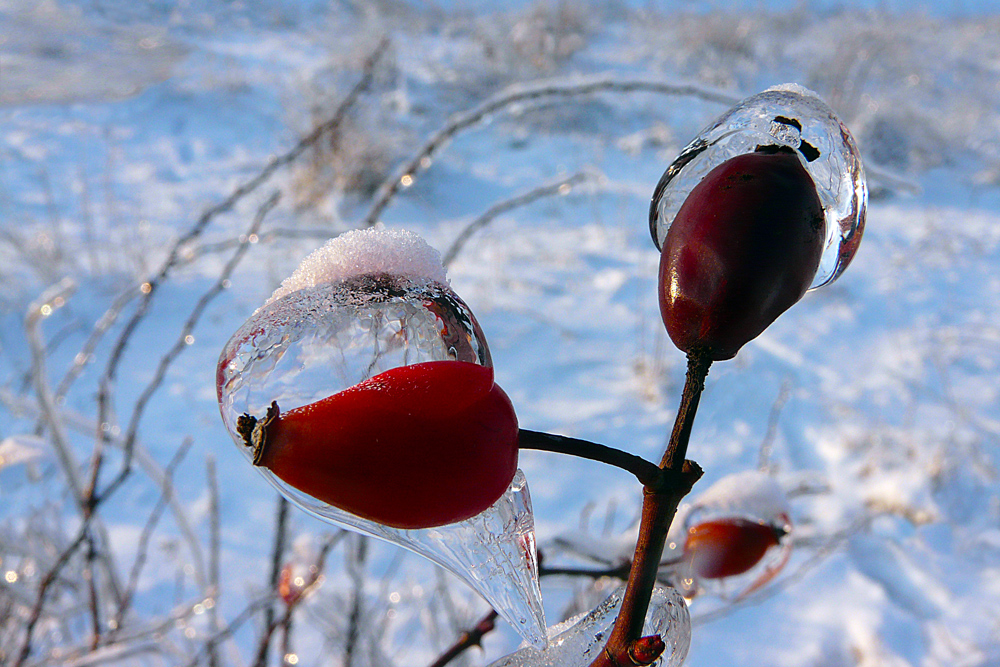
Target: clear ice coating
{"points": [[363, 304], [314, 342], [787, 115], [576, 642], [753, 496], [494, 551]]}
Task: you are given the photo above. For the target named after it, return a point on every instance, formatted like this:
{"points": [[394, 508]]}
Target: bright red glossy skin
{"points": [[743, 248], [727, 547], [413, 447]]}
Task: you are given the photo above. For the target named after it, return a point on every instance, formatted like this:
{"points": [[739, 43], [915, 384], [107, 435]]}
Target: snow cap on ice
{"points": [[795, 88], [749, 492], [365, 251]]}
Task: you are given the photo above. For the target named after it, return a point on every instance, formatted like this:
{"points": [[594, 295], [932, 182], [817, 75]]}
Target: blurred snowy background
{"points": [[141, 142]]}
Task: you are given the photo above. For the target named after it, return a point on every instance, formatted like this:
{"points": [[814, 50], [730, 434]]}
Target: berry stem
{"points": [[694, 384], [648, 473], [658, 509]]}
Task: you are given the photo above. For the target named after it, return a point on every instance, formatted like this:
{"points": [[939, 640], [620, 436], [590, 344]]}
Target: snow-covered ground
{"points": [[874, 401]]}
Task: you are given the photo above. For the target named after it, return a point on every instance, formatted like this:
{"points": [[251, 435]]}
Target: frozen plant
{"points": [[363, 388]]}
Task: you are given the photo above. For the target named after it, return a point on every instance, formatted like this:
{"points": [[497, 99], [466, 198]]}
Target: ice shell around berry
{"points": [[366, 303], [789, 116], [320, 340], [750, 493], [750, 500], [728, 547]]}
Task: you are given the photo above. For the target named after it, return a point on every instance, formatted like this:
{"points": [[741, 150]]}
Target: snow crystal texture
{"points": [[366, 251]]}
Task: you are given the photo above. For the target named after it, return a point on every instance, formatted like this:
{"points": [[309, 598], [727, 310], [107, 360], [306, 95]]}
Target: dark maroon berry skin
{"points": [[743, 248]]}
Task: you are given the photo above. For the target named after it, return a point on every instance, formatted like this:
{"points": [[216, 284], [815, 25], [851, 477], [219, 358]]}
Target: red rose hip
{"points": [[728, 547], [743, 248], [413, 447]]}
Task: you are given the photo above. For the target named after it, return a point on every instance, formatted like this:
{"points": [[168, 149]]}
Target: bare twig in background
{"points": [[214, 542], [560, 187], [43, 589], [183, 340], [468, 639], [277, 555], [263, 237], [45, 305], [19, 405], [520, 94], [764, 455], [88, 500], [41, 308], [86, 353], [231, 628], [150, 286], [356, 570], [285, 620], [142, 551]]}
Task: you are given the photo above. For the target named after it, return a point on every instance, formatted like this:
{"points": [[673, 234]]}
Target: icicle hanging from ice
{"points": [[365, 305], [795, 118], [576, 642]]}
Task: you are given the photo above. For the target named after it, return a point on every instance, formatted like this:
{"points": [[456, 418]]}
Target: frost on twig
{"points": [[561, 187]]}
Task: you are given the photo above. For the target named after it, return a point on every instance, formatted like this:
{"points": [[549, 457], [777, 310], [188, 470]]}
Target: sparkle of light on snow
{"points": [[366, 251]]}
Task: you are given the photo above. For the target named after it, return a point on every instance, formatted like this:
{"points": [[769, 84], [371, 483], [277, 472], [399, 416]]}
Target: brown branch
{"points": [[694, 384], [618, 571], [658, 509], [645, 471]]}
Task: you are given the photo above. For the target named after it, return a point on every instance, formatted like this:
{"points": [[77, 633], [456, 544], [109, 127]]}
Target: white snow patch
{"points": [[795, 88], [750, 491], [366, 251]]}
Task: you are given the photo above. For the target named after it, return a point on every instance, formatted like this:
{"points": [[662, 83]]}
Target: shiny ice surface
{"points": [[787, 116], [494, 551], [576, 642], [752, 495], [317, 341]]}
